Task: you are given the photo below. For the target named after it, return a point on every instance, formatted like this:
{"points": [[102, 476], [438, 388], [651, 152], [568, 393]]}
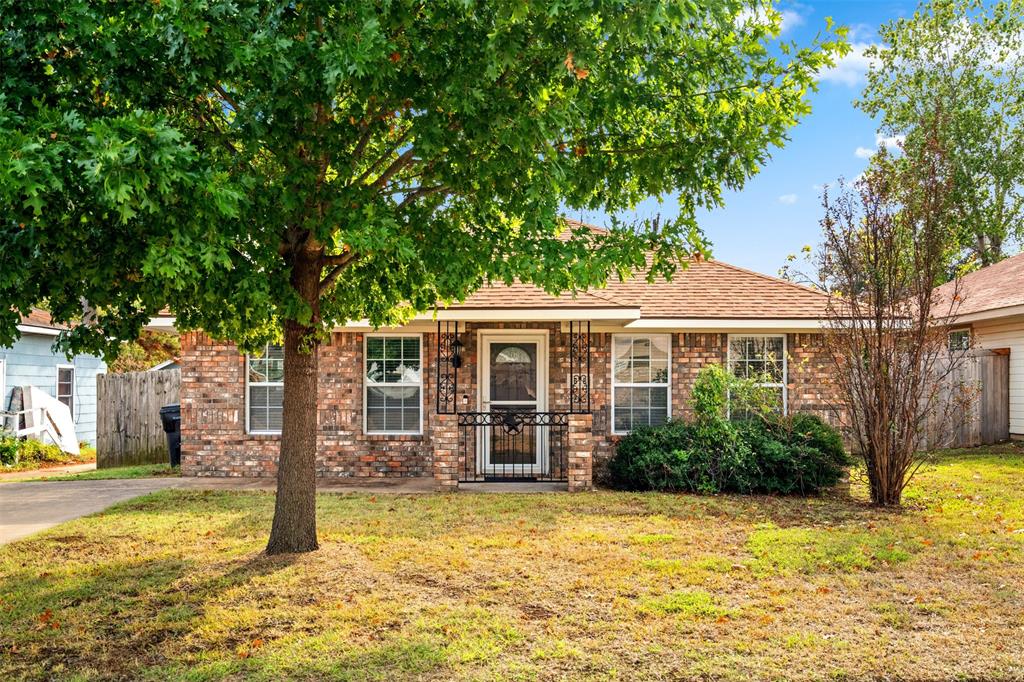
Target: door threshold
{"points": [[510, 479]]}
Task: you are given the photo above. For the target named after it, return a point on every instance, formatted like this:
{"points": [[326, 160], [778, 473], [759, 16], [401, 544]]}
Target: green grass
{"points": [[604, 586], [137, 471]]}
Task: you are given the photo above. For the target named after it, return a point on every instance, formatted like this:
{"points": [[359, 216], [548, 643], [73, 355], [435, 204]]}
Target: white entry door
{"points": [[514, 379]]}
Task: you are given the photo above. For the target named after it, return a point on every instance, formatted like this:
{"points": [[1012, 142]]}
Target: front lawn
{"points": [[135, 471], [545, 586]]}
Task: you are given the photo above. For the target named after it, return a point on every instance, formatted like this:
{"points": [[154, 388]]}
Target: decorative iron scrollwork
{"points": [[579, 367], [513, 419], [448, 361]]}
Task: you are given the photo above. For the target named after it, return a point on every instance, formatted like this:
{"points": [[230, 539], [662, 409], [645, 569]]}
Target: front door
{"points": [[514, 381]]}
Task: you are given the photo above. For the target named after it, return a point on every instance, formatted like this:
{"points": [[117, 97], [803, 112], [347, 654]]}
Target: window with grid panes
{"points": [[393, 386], [640, 380]]}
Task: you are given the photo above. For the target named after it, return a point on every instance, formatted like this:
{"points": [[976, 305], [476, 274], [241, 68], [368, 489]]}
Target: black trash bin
{"points": [[170, 415]]}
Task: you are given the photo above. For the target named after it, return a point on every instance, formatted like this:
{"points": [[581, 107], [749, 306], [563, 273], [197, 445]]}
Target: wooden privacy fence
{"points": [[983, 419], [128, 426]]}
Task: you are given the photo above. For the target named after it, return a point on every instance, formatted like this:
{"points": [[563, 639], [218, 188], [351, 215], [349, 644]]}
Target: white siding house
{"points": [[31, 361], [992, 311], [1007, 333]]}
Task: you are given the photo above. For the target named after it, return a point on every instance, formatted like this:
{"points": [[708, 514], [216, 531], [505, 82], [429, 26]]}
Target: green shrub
{"points": [[28, 453], [766, 453], [820, 435], [645, 459], [788, 460], [8, 451]]}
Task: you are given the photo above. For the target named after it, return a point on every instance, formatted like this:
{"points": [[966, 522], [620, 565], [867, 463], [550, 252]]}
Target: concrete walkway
{"points": [[33, 506]]}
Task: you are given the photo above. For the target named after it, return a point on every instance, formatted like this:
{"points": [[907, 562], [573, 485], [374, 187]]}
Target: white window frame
{"points": [[366, 384], [616, 385], [956, 330], [248, 398], [785, 363], [56, 387], [3, 386]]}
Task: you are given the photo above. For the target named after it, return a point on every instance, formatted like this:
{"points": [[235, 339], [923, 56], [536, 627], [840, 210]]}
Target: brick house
{"points": [[512, 383]]}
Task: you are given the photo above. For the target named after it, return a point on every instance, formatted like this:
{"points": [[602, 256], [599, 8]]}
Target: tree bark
{"points": [[294, 527]]}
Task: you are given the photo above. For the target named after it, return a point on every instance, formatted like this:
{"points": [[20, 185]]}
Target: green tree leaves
{"points": [[179, 152], [957, 66]]}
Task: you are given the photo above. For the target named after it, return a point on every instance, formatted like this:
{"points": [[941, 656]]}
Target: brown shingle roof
{"points": [[521, 295], [997, 286], [40, 318], [704, 290], [712, 289]]}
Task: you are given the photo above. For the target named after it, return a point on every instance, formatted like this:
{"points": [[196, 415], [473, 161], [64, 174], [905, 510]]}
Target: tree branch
{"points": [[340, 262], [397, 165], [227, 98], [421, 192], [376, 164]]}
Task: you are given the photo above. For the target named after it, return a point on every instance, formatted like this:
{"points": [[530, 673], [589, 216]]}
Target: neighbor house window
{"points": [[66, 387], [640, 380], [393, 389], [959, 340], [265, 377], [762, 359]]}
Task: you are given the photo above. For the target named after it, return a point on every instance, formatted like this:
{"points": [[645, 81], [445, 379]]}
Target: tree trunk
{"points": [[294, 528]]}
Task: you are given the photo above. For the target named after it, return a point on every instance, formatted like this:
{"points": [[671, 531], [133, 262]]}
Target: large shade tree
{"points": [[957, 67], [274, 169]]}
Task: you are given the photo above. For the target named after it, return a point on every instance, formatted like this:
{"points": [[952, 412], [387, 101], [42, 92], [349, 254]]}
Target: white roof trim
{"points": [[165, 363], [162, 324], [995, 313], [43, 331], [711, 323]]}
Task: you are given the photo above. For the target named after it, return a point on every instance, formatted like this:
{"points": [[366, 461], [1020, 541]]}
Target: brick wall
{"points": [[214, 441]]}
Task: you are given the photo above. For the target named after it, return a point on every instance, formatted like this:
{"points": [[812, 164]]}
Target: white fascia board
{"points": [[42, 331], [714, 324], [162, 324], [1009, 311]]}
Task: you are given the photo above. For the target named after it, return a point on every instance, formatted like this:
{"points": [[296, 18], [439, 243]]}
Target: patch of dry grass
{"points": [[595, 586]]}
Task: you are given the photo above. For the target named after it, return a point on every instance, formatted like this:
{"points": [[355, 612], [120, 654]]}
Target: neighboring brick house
{"points": [[532, 393]]}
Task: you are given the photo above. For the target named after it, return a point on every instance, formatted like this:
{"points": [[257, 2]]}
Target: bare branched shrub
{"points": [[888, 240]]}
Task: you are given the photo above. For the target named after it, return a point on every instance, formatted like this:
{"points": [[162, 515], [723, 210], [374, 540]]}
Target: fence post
{"points": [[581, 452], [445, 439]]}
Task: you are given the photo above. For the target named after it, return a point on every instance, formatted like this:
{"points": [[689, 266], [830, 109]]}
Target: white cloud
{"points": [[892, 143], [862, 33], [849, 69], [790, 18], [788, 199]]}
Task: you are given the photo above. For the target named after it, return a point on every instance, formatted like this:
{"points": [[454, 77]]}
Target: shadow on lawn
{"points": [[110, 617]]}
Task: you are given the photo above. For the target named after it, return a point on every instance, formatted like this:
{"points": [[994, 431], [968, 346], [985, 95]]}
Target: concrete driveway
{"points": [[27, 508]]}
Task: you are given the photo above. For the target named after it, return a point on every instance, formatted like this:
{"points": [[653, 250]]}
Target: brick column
{"points": [[581, 452], [444, 436]]}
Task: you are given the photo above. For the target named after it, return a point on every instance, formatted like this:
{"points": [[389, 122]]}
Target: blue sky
{"points": [[778, 211]]}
